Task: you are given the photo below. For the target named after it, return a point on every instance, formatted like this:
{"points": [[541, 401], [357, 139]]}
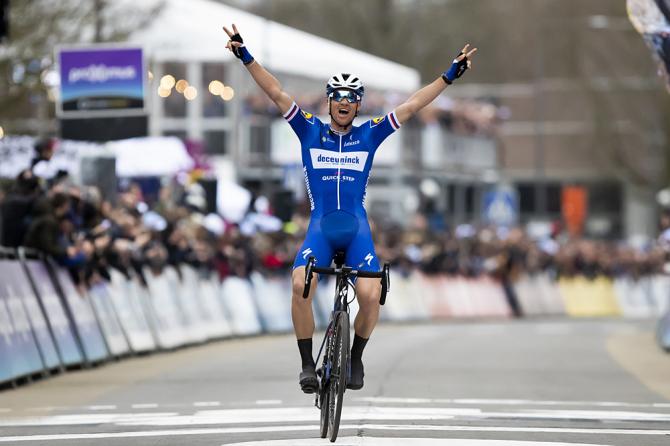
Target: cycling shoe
{"points": [[356, 379], [308, 381]]}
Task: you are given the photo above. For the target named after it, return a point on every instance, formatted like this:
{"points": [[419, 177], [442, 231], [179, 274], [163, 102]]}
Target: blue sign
{"points": [[499, 207], [101, 79]]}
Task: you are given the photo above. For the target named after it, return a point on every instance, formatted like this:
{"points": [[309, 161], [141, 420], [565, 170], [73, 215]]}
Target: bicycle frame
{"points": [[335, 341]]}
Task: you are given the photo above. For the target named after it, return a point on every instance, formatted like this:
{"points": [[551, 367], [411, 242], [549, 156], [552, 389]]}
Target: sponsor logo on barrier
{"points": [[19, 316], [6, 328]]}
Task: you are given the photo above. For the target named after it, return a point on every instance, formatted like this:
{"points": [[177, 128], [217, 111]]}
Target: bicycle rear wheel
{"points": [[338, 376], [325, 406]]}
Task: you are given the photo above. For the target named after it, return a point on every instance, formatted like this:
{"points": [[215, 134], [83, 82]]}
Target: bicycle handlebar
{"points": [[350, 272], [384, 275]]}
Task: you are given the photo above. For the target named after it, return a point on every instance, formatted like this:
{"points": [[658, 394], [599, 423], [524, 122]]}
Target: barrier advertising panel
{"points": [[116, 341], [53, 307], [273, 302], [187, 301], [209, 313], [237, 297], [90, 334], [18, 351], [131, 314], [14, 273], [169, 325]]}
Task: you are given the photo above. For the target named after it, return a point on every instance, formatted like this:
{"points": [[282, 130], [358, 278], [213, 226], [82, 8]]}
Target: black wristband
{"points": [[446, 80]]}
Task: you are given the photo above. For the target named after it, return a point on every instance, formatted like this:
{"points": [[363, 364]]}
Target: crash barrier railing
{"points": [[48, 325]]}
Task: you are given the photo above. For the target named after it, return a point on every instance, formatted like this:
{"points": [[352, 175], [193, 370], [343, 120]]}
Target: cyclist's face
{"points": [[342, 110]]}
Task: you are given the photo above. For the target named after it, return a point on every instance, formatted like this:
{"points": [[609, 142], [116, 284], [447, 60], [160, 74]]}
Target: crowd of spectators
{"points": [[89, 235]]}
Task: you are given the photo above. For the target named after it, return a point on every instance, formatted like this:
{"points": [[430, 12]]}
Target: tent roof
{"points": [[192, 31]]}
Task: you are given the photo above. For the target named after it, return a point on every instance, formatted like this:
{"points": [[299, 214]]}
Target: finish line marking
{"points": [[375, 441], [308, 415], [315, 428], [207, 404], [505, 402]]}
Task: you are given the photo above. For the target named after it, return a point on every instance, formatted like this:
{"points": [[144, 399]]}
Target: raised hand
{"points": [[233, 43], [460, 64], [236, 45]]}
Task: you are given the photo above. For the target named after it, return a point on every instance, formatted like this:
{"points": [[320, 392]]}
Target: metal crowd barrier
{"points": [[48, 325]]}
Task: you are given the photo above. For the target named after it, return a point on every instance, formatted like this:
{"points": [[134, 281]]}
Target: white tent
{"points": [[192, 31]]}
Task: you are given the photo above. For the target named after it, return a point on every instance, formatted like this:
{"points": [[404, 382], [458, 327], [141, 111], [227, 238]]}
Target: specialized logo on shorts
{"points": [[377, 121], [306, 252], [327, 159], [368, 258]]}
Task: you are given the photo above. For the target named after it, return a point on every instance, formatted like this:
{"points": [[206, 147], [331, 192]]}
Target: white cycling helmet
{"points": [[345, 80]]}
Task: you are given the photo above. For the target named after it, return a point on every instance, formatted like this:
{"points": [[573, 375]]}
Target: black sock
{"points": [[357, 348], [305, 347]]}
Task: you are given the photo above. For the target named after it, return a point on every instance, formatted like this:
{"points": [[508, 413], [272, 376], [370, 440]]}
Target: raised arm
{"points": [[427, 94], [268, 83]]}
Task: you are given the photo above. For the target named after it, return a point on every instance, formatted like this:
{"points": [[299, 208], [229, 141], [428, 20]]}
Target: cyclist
{"points": [[337, 157]]}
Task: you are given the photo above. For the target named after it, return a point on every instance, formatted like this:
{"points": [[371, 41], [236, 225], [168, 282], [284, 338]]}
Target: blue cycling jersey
{"points": [[337, 169]]}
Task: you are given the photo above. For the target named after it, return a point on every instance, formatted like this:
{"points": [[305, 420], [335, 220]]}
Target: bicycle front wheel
{"points": [[338, 380]]}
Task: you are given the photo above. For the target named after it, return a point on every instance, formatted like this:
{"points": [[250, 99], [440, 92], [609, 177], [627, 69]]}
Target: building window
{"points": [[175, 104], [181, 134], [259, 142], [605, 198], [554, 192], [213, 105], [215, 143], [526, 197]]}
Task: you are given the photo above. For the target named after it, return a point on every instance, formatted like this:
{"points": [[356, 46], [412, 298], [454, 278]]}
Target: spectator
{"points": [[16, 209], [45, 232]]}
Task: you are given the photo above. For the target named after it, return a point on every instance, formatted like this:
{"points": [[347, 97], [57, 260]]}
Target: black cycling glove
{"points": [[241, 52], [458, 67]]}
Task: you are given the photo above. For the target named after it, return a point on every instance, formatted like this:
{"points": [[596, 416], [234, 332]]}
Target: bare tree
{"points": [[37, 27]]}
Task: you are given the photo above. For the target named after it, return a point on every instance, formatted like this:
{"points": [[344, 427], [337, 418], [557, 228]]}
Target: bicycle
{"points": [[336, 366]]}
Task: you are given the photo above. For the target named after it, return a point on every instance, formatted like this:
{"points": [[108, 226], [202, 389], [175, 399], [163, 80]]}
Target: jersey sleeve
{"points": [[380, 128], [302, 123]]}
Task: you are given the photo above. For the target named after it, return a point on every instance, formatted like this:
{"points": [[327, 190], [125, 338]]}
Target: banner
{"points": [[574, 207], [101, 79]]}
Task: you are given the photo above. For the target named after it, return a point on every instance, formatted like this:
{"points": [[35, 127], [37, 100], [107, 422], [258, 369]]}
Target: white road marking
{"points": [[308, 414], [301, 414], [84, 419], [504, 402], [101, 407], [48, 408], [314, 428], [268, 402], [207, 404], [145, 406], [372, 441]]}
